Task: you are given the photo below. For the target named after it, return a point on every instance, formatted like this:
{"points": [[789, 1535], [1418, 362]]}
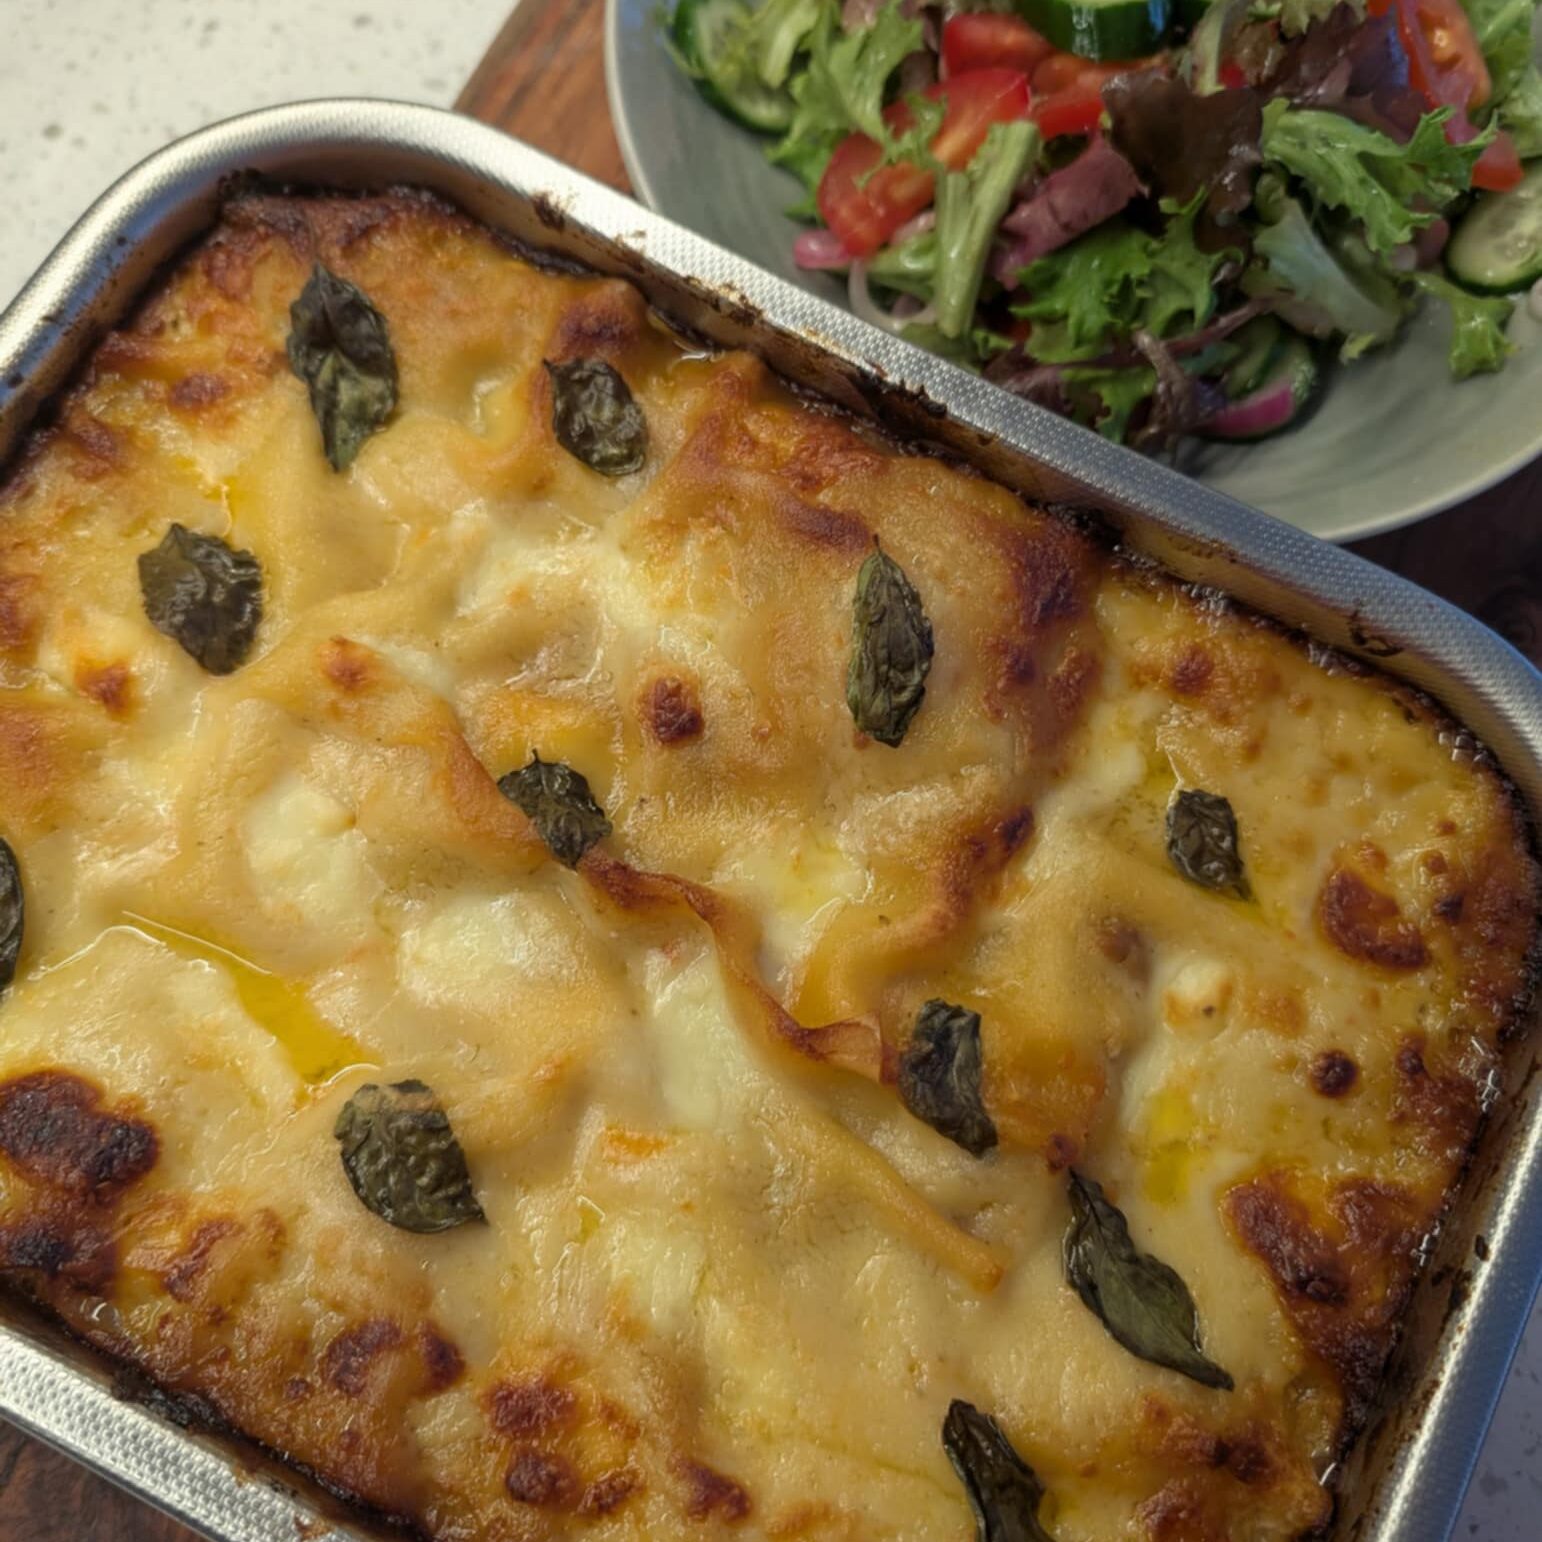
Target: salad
{"points": [[1158, 217]]}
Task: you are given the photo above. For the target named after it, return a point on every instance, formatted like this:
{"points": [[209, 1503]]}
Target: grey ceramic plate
{"points": [[1395, 438]]}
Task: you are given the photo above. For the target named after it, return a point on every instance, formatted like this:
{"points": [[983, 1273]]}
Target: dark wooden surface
{"points": [[45, 1497], [543, 80]]}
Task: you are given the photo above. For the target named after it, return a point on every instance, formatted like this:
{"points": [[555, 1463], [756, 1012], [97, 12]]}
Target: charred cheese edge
{"points": [[726, 1281]]}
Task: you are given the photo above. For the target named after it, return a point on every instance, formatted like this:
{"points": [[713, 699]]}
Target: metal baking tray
{"points": [[1407, 1476]]}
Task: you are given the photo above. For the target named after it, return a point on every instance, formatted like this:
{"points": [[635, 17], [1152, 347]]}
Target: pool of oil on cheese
{"points": [[317, 1051]]}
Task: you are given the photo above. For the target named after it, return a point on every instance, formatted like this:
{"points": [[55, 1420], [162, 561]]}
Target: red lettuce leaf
{"points": [[1184, 144], [1065, 205]]}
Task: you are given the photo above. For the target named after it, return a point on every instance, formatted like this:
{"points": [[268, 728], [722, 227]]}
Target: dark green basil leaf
{"points": [[403, 1159], [1202, 841], [13, 909], [340, 348], [1004, 1491], [203, 594], [1142, 1302], [891, 650], [594, 417], [939, 1076], [557, 801]]}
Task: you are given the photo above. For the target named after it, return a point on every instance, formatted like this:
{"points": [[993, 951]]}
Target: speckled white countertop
{"points": [[89, 87]]}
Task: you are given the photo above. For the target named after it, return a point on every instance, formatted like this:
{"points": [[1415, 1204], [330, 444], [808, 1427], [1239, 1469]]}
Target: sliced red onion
{"points": [[1423, 251], [864, 306], [1222, 327], [820, 249], [1431, 242], [1460, 129], [917, 225], [1268, 408]]}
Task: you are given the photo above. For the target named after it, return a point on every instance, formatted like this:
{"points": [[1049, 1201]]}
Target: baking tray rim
{"points": [[104, 262]]}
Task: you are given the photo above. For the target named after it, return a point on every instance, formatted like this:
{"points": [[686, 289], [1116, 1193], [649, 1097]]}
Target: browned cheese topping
{"points": [[592, 952]]}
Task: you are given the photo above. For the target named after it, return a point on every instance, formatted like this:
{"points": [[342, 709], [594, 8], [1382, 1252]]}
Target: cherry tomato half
{"points": [[1068, 92], [1444, 60], [865, 207], [985, 40], [1499, 167]]}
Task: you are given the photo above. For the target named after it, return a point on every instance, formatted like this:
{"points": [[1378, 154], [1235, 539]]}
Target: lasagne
{"points": [[595, 952]]}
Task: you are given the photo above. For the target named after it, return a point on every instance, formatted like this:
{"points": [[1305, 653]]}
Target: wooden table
{"points": [[542, 80]]}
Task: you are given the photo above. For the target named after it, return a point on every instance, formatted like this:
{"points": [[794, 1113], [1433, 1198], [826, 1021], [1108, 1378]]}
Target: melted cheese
{"points": [[726, 1280]]}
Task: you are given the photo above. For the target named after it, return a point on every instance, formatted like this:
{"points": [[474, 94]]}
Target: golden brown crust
{"points": [[672, 710], [1366, 924], [727, 1283], [710, 1493], [55, 1130], [1343, 1271]]}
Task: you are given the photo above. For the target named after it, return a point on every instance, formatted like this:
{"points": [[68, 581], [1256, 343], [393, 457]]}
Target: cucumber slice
{"points": [[1258, 346], [1101, 29], [1497, 247], [704, 32]]}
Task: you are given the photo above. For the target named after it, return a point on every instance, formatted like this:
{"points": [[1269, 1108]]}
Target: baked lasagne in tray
{"points": [[595, 950]]}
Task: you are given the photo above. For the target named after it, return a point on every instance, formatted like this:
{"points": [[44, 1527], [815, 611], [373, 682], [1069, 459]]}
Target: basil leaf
{"points": [[1004, 1491], [939, 1076], [403, 1159], [1139, 1299], [204, 595], [340, 348], [595, 418], [1202, 842], [12, 914], [891, 650], [557, 801]]}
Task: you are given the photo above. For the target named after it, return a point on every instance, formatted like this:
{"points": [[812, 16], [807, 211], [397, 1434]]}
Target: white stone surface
{"points": [[89, 87]]}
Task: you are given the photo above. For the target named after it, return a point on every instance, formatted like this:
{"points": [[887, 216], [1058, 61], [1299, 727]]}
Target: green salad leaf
{"points": [[1081, 295], [1116, 393], [773, 36], [1179, 290], [908, 268], [842, 86], [1503, 29], [970, 350], [1296, 262], [1114, 279], [1478, 341], [970, 205], [806, 159], [912, 144], [1521, 114], [1394, 190]]}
